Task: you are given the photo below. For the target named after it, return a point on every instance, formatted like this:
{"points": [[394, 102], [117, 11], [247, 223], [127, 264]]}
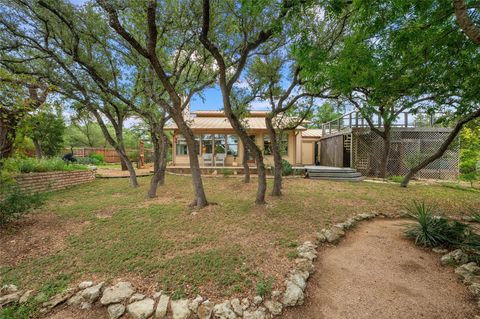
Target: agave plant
{"points": [[433, 231]]}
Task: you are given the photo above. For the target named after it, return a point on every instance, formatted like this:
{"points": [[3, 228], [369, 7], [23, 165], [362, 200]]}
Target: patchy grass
{"points": [[115, 231]]}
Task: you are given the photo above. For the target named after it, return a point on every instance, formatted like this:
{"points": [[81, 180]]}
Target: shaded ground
{"points": [[105, 230], [376, 273]]}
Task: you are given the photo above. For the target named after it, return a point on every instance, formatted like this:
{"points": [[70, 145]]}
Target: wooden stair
{"points": [[333, 173]]}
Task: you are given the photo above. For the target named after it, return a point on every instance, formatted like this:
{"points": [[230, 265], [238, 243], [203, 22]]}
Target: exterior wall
{"points": [[183, 160], [331, 151], [52, 181]]}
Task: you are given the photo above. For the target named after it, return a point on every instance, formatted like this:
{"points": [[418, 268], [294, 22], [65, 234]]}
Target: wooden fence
{"points": [[110, 155]]}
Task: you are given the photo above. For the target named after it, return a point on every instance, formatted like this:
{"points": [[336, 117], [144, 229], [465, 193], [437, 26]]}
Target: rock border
{"points": [[122, 298]]}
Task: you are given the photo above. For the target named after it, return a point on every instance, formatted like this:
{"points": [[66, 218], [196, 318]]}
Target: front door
{"points": [[307, 153]]}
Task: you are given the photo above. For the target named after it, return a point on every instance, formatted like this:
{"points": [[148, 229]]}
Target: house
{"points": [[220, 146]]}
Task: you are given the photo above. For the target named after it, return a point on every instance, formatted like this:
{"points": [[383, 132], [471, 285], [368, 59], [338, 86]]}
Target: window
{"points": [[207, 144], [220, 147], [283, 145], [267, 145], [181, 146], [232, 145]]}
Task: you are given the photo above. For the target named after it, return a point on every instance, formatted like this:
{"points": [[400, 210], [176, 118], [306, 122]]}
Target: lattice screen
{"points": [[408, 147]]}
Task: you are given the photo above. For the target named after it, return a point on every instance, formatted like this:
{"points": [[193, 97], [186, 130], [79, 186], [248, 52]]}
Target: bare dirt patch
{"points": [[377, 273], [40, 234]]}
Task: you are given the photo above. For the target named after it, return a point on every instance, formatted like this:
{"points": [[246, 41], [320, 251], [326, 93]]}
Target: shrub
{"points": [[17, 203], [133, 156], [433, 231], [28, 165], [286, 168], [264, 287], [99, 158], [226, 172]]}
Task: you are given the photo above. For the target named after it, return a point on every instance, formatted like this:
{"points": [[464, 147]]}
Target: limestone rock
{"points": [[85, 284], [162, 307], [245, 303], [141, 309], [117, 293], [475, 289], [304, 264], [364, 216], [257, 300], [276, 295], [468, 272], [26, 295], [293, 295], [57, 299], [8, 290], [157, 294], [180, 309], [440, 250], [307, 250], [136, 297], [237, 306], [224, 311], [332, 235], [195, 303], [116, 310], [255, 314], [92, 293], [274, 307], [298, 279], [205, 310], [455, 257], [321, 238], [10, 298]]}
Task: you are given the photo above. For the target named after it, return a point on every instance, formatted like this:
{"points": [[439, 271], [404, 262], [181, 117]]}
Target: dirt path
{"points": [[376, 273]]}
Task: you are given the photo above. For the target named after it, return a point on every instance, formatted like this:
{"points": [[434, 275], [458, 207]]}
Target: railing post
{"points": [[329, 127], [350, 120], [405, 114], [356, 119], [431, 120]]}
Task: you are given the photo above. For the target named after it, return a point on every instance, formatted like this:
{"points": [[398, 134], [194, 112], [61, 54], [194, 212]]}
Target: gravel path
{"points": [[376, 273]]}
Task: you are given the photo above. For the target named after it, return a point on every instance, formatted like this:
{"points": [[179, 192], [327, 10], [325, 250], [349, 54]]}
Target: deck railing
{"points": [[355, 119]]}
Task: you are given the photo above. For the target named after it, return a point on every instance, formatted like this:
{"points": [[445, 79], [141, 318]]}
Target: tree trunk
{"points": [[200, 197], [123, 165], [246, 168], [385, 153], [160, 144], [38, 148], [465, 22], [256, 152], [7, 136], [277, 158], [439, 153], [117, 145]]}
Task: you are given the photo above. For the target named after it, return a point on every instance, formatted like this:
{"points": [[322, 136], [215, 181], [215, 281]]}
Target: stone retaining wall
{"points": [[52, 181]]}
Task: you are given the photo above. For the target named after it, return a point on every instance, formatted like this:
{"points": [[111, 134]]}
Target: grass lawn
{"points": [[107, 230]]}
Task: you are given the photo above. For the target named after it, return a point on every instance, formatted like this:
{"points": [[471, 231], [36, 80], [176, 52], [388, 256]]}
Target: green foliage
{"points": [[325, 113], [470, 152], [264, 287], [133, 156], [395, 179], [29, 165], [226, 171], [434, 231], [46, 130], [286, 168], [17, 203], [99, 158]]}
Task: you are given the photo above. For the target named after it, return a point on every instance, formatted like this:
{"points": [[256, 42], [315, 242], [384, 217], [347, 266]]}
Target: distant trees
{"points": [[19, 96]]}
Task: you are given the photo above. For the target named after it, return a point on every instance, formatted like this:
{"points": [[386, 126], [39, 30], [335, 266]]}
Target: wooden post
{"points": [[405, 114], [141, 155], [356, 119], [350, 120]]}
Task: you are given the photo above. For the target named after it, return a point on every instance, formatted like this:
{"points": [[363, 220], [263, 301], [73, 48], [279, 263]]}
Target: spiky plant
{"points": [[433, 231]]}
